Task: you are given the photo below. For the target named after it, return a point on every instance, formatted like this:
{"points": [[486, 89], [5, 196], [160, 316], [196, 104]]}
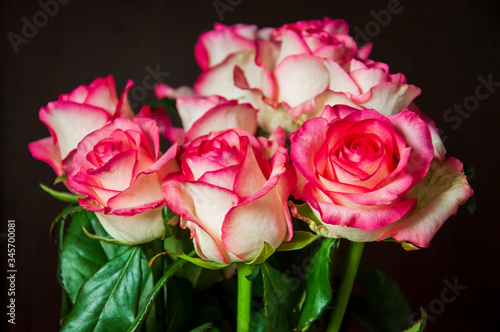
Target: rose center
{"points": [[107, 148], [357, 148], [213, 147]]}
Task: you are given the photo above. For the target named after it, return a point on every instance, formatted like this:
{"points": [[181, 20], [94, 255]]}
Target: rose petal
{"points": [[102, 94], [194, 202], [340, 81], [305, 144], [45, 150], [362, 218], [388, 98], [301, 77], [439, 194], [214, 46], [416, 134], [142, 195], [439, 149], [249, 178], [69, 123], [368, 78], [163, 90], [240, 230], [225, 116], [292, 44], [123, 109], [137, 229]]}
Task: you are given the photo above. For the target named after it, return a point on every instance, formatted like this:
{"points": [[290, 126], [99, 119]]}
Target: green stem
{"points": [[346, 283], [244, 297]]}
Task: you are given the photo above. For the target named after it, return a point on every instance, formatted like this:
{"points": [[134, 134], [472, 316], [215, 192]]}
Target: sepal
{"points": [[61, 195], [196, 261], [267, 250], [107, 240], [167, 215], [62, 216], [420, 325], [300, 240]]}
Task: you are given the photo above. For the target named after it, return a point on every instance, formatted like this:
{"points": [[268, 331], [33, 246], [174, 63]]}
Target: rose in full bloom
{"points": [[76, 115], [232, 194], [290, 73], [369, 177], [119, 169]]}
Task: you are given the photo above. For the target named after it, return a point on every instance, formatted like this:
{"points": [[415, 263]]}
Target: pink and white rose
{"points": [[290, 73], [76, 115], [368, 177], [232, 194], [119, 169]]}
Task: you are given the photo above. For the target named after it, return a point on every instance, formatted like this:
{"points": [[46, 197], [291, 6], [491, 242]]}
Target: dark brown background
{"points": [[441, 46]]}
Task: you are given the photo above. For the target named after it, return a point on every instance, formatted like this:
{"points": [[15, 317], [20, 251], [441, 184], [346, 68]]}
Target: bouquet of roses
{"points": [[291, 139]]}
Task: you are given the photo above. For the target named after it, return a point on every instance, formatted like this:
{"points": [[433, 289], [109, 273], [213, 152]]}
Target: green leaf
{"points": [[267, 250], [81, 256], [200, 262], [305, 211], [167, 214], [383, 306], [146, 289], [420, 325], [68, 210], [108, 301], [300, 240], [61, 195], [136, 325], [166, 103], [318, 288], [168, 231], [180, 304], [471, 205], [281, 299], [108, 240], [255, 273], [65, 300], [61, 178]]}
